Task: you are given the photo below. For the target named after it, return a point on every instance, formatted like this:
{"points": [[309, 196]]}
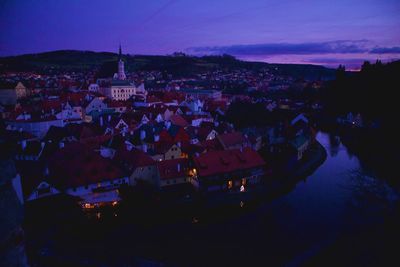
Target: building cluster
{"points": [[89, 142]]}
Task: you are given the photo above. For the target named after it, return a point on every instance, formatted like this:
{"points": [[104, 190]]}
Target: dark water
{"points": [[339, 215]]}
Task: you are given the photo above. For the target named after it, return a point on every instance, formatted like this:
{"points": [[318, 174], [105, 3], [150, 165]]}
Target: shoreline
{"points": [[272, 187]]}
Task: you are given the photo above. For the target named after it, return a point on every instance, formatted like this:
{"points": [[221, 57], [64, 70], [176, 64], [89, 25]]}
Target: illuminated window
{"points": [[244, 181], [230, 184]]}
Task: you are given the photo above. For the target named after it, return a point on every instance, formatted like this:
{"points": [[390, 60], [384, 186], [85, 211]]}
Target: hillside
{"points": [[105, 62]]}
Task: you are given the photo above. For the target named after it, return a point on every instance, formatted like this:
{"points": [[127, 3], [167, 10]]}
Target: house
{"points": [[195, 106], [96, 104], [35, 126], [227, 169], [203, 94], [77, 171], [234, 140], [173, 172], [301, 143], [139, 165], [93, 87], [44, 189], [299, 125], [123, 90], [166, 151], [29, 151], [178, 120], [11, 92]]}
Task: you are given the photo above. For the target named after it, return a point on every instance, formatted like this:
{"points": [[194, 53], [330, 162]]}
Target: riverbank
{"points": [[144, 220], [272, 187], [377, 149]]}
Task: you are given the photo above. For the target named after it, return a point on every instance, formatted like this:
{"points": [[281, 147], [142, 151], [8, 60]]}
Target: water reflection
{"points": [[339, 199]]}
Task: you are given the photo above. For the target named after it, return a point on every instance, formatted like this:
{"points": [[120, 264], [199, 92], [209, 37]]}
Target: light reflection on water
{"points": [[337, 198]]}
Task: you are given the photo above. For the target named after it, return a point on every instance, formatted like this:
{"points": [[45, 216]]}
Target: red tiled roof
{"points": [[162, 146], [76, 165], [227, 161], [178, 120], [133, 159], [174, 168]]}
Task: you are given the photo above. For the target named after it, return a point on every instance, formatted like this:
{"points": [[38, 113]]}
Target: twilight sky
{"points": [[323, 32]]}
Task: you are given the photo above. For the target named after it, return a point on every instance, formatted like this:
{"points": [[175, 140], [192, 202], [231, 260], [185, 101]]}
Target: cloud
{"points": [[332, 47], [386, 50]]}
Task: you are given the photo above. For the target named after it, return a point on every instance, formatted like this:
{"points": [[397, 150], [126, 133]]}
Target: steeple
{"points": [[121, 67]]}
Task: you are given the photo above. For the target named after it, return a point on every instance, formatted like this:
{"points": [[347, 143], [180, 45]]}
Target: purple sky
{"points": [[323, 32]]}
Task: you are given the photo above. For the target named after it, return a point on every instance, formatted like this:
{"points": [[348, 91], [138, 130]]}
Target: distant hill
{"points": [[105, 64]]}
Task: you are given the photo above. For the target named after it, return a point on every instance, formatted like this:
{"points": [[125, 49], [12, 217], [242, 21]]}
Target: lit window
{"points": [[230, 184]]}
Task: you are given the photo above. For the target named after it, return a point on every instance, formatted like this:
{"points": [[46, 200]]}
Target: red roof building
{"points": [[225, 169]]}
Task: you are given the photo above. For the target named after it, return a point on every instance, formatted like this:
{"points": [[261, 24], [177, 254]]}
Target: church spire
{"points": [[121, 67]]}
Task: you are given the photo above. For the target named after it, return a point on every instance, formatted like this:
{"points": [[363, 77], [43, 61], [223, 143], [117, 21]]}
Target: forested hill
{"points": [[72, 60], [372, 92]]}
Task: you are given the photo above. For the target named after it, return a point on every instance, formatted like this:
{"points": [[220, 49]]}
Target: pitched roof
{"points": [[132, 159], [227, 161], [178, 120], [76, 165], [174, 168]]}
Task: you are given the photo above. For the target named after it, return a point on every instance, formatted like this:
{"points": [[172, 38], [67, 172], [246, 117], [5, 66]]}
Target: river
{"points": [[340, 215]]}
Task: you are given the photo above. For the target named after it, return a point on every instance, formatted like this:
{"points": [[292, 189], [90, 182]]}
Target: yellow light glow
{"points": [[230, 184]]}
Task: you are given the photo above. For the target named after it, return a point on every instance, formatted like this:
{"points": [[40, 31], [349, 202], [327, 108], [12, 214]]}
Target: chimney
{"points": [[178, 144]]}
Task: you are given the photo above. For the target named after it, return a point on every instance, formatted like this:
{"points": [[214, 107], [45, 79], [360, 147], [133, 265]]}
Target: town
{"points": [[87, 139], [199, 133]]}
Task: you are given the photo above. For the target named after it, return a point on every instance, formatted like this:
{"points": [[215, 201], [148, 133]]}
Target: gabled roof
{"points": [[174, 168], [163, 147], [227, 161], [132, 159], [76, 165], [178, 120], [298, 118]]}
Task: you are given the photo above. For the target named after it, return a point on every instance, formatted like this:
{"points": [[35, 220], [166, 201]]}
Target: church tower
{"points": [[121, 66]]}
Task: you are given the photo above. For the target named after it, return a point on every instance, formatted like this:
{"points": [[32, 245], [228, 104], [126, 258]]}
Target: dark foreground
{"points": [[339, 215]]}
